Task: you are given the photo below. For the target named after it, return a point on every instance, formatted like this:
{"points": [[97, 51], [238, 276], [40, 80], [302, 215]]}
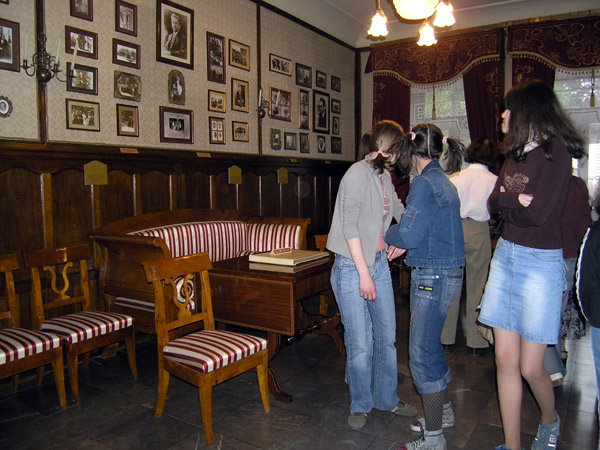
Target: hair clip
{"points": [[379, 152], [413, 135], [445, 139]]}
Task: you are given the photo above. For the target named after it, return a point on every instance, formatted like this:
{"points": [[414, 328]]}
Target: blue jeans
{"points": [[369, 334], [431, 294], [595, 340]]}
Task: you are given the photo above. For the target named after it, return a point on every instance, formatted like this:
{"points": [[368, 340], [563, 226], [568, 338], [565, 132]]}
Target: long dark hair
{"points": [[386, 135], [535, 113], [426, 140]]}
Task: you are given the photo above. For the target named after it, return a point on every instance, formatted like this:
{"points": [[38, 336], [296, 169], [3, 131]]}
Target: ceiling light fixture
{"points": [[378, 23], [426, 35], [415, 9], [444, 16]]}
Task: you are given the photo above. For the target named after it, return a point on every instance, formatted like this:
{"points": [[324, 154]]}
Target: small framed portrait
{"points": [[321, 144], [275, 139], [289, 141], [281, 104], [303, 75], [128, 86], [176, 87], [336, 106], [239, 55], [303, 109], [84, 80], [215, 46], [83, 115], [336, 83], [84, 9], [6, 106], [216, 127], [280, 65], [126, 53], [125, 17], [174, 34], [239, 95], [321, 111], [86, 43], [10, 54], [239, 131], [336, 145], [127, 120], [335, 125], [176, 125], [304, 143], [217, 101], [321, 79]]}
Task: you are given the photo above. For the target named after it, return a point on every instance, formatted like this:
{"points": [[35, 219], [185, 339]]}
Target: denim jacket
{"points": [[431, 228]]}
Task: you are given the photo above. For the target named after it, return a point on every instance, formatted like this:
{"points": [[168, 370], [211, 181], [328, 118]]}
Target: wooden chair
{"points": [[204, 358], [22, 349], [81, 331]]}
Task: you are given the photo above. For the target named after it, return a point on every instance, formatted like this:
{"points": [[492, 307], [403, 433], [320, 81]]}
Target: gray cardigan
{"points": [[359, 210]]}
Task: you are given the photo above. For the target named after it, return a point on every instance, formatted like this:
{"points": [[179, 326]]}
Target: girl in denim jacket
{"points": [[431, 231]]}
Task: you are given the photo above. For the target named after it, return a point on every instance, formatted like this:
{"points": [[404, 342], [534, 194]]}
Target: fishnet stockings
{"points": [[434, 408]]}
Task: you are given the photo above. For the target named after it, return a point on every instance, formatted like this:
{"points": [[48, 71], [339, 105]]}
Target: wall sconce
{"points": [[43, 65]]}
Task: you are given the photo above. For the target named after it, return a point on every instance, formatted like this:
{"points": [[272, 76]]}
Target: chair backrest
{"points": [[170, 312], [8, 264], [66, 264], [321, 242]]}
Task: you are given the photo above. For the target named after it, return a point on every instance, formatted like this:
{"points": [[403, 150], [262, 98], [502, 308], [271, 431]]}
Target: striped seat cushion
{"points": [[264, 237], [210, 350], [18, 343], [84, 325]]}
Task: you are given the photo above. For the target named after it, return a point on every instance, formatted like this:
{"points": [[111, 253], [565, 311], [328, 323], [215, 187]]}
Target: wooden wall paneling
{"points": [[322, 202], [270, 194], [249, 194], [47, 212], [198, 190], [116, 198], [289, 197], [71, 207], [155, 192], [226, 195], [306, 196], [177, 192]]}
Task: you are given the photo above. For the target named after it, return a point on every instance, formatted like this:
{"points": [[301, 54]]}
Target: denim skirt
{"points": [[524, 292]]}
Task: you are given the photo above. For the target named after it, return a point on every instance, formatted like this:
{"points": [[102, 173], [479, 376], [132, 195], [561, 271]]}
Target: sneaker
{"points": [[357, 420], [404, 410], [502, 447], [447, 420], [547, 435], [426, 442]]}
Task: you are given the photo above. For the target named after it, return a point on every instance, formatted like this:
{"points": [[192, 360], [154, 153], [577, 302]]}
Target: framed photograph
{"points": [[127, 120], [84, 9], [335, 125], [239, 55], [239, 95], [125, 17], [128, 86], [126, 53], [336, 83], [281, 104], [85, 42], [217, 101], [336, 106], [321, 111], [304, 143], [176, 125], [240, 131], [215, 46], [85, 79], [5, 2], [216, 127], [321, 79], [83, 115], [280, 65], [275, 139], [289, 142], [176, 87], [6, 106], [174, 34], [321, 145], [10, 53], [303, 75], [303, 109], [336, 145]]}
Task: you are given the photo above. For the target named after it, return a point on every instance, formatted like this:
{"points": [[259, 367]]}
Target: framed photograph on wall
{"points": [[125, 17], [216, 127], [321, 144], [176, 125], [126, 53], [217, 101], [239, 95], [239, 55], [321, 79], [84, 80], [176, 87], [10, 55], [336, 145], [128, 86], [83, 9], [303, 109], [239, 131], [281, 104], [335, 125], [336, 83], [304, 143], [289, 141], [280, 65], [275, 140], [303, 75], [86, 42], [321, 111], [83, 115], [127, 120], [174, 34], [336, 106], [215, 46]]}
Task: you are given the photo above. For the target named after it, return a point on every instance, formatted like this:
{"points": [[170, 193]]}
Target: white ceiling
{"points": [[348, 20]]}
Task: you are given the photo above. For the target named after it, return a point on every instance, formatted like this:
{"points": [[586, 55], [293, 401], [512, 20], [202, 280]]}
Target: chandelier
{"points": [[43, 65]]}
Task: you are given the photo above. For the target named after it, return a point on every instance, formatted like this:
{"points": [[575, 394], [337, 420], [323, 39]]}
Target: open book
{"points": [[289, 258]]}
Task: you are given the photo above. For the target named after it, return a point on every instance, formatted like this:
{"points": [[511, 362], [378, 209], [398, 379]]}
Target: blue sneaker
{"points": [[503, 447], [547, 435]]}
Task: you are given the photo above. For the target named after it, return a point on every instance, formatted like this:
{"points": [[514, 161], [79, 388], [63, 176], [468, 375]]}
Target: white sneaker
{"points": [[426, 442], [447, 420]]}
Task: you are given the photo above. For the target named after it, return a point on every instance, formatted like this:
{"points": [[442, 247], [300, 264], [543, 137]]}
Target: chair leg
{"points": [[262, 371], [163, 388], [73, 373], [130, 345], [59, 378], [205, 394], [86, 360], [40, 374], [15, 383]]}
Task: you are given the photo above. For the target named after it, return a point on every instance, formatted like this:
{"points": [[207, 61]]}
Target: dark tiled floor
{"points": [[117, 412]]}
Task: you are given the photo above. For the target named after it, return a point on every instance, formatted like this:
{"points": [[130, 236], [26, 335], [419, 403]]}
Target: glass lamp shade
{"points": [[378, 24], [444, 16], [426, 35], [415, 9]]}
